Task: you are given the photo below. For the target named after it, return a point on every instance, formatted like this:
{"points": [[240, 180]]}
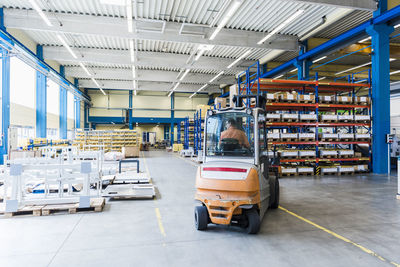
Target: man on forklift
{"points": [[232, 132]]}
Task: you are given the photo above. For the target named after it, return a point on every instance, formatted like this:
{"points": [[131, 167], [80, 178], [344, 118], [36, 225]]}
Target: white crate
{"points": [[346, 169], [345, 152], [273, 116], [290, 116], [362, 136], [328, 152], [307, 135], [307, 153], [329, 117], [289, 153], [273, 135], [329, 136], [305, 169], [345, 117], [328, 169], [346, 136], [362, 117], [288, 170], [289, 135], [308, 117]]}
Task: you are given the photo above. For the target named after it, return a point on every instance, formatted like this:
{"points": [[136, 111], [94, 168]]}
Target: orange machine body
{"points": [[225, 188]]}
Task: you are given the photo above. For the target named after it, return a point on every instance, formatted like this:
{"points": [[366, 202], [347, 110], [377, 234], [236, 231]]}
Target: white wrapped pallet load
{"points": [[345, 153], [362, 118], [305, 170], [273, 116], [332, 136], [346, 136], [345, 117], [288, 153], [308, 136], [362, 136], [346, 169], [286, 170], [274, 136], [271, 97], [329, 117], [289, 136], [308, 117], [327, 99], [307, 153], [288, 116], [330, 169], [327, 153]]}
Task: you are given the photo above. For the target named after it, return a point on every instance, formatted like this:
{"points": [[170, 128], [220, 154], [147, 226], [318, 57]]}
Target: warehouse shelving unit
{"points": [[198, 131], [113, 140], [188, 133], [305, 98]]}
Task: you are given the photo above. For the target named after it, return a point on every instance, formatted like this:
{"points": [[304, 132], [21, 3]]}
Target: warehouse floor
{"points": [[332, 221]]}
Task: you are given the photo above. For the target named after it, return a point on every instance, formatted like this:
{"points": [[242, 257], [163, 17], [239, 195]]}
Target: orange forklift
{"points": [[236, 183]]}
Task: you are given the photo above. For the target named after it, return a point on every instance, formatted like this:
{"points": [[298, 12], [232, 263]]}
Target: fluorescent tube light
{"points": [[104, 93], [364, 40], [84, 68], [396, 26], [40, 12], [134, 84], [62, 40], [192, 95], [293, 70], [216, 77], [281, 26], [226, 18], [184, 74], [322, 78], [353, 68], [395, 72], [132, 50], [239, 58], [95, 82], [199, 54], [279, 76], [176, 86], [170, 93], [201, 88], [319, 59], [133, 72], [113, 2], [129, 15]]}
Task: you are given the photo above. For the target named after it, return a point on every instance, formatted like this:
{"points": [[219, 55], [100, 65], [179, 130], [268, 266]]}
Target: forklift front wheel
{"points": [[201, 217]]}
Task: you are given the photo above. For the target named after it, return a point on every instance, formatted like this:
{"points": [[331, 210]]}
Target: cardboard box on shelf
{"points": [[130, 151], [220, 102]]}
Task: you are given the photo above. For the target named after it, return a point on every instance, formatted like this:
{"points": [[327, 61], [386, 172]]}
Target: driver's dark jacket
{"points": [[237, 134]]}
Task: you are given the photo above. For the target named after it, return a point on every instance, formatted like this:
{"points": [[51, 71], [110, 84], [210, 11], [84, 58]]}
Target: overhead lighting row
{"points": [[227, 17], [98, 85]]}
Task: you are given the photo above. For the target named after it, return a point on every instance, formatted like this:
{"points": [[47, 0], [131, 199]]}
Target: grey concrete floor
{"points": [[362, 209]]}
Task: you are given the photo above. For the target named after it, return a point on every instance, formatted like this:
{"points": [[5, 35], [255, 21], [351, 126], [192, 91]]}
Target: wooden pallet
{"points": [[308, 139], [26, 210], [307, 157], [273, 119], [289, 120], [328, 156], [328, 139], [329, 121], [346, 139], [306, 101], [289, 157], [96, 204], [306, 173], [308, 121], [344, 102], [288, 174], [348, 121], [329, 173], [289, 139], [345, 173], [363, 140]]}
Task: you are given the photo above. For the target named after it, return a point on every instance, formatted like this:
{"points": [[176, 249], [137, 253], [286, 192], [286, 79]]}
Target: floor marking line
{"points": [[160, 225], [366, 250], [157, 210], [187, 160]]}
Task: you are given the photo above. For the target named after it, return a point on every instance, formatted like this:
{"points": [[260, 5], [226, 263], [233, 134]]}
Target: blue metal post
{"points": [[5, 62], [2, 20], [85, 113], [172, 117], [63, 108], [77, 107], [130, 109], [380, 95], [303, 66], [41, 99]]}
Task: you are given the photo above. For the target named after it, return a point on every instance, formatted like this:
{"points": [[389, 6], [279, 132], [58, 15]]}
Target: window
{"points": [[52, 133], [70, 106], [53, 97], [22, 83]]}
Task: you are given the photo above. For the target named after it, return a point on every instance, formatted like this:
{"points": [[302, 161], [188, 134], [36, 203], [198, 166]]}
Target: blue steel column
{"points": [[130, 109], [63, 108], [380, 95], [86, 112], [303, 66], [5, 62], [77, 107], [41, 99], [172, 117]]}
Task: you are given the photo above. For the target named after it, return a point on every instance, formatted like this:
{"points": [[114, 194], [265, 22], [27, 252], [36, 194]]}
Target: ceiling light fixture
{"points": [[199, 54], [226, 18], [283, 25], [184, 74], [322, 78], [239, 58], [319, 59], [62, 40], [201, 49], [364, 40], [395, 72], [293, 70], [84, 68], [98, 85], [396, 26], [216, 77], [353, 68], [133, 72], [40, 12], [279, 76], [129, 15], [132, 50], [192, 95]]}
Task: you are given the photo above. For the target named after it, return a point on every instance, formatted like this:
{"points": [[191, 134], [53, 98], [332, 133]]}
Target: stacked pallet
{"points": [[113, 140]]}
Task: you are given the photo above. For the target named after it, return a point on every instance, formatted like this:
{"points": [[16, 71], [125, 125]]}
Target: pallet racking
{"points": [[344, 103]]}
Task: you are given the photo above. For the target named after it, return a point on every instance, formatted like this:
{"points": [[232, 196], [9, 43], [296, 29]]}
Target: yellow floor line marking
{"points": [[366, 250], [157, 210], [160, 225]]}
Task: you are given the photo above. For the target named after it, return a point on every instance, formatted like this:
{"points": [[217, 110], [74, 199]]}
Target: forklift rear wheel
{"points": [[275, 200], [253, 221], [201, 217]]}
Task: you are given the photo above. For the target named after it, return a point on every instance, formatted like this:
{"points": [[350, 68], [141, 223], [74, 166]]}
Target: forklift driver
{"points": [[232, 132]]}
